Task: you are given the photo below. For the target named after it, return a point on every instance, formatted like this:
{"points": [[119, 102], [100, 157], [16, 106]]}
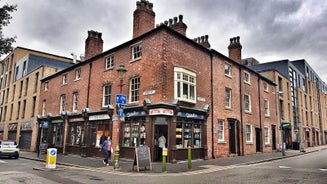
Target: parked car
{"points": [[9, 148]]}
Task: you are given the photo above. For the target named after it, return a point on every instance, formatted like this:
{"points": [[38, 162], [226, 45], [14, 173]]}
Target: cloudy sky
{"points": [[269, 29]]}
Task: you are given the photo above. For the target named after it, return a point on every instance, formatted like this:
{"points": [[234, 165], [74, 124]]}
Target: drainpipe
{"points": [[260, 118], [241, 110], [88, 86], [212, 119]]}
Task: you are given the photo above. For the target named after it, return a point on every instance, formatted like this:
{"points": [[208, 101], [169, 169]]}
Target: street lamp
{"points": [[121, 72]]}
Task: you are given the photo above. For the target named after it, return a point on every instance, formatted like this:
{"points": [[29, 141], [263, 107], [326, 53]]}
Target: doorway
{"points": [[273, 128], [258, 139], [160, 130], [234, 137]]}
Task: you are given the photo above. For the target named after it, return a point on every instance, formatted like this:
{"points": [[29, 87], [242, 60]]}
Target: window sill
{"points": [[229, 76], [222, 142], [248, 83], [134, 60]]}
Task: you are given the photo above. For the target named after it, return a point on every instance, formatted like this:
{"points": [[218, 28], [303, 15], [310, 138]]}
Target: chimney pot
{"points": [[170, 22], [235, 49]]}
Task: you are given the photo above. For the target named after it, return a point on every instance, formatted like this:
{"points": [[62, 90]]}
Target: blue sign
{"points": [[121, 99], [53, 152], [120, 112]]}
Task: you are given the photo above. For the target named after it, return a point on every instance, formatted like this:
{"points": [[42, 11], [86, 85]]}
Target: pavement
{"points": [[126, 165]]}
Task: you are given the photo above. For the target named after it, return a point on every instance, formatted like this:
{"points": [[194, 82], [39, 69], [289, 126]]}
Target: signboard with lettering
{"points": [[190, 115], [161, 111], [142, 158]]}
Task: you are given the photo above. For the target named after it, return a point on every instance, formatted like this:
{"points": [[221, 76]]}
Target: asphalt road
{"points": [[308, 168]]}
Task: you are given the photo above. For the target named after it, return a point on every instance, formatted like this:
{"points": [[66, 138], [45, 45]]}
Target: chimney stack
{"points": [[93, 44], [203, 40], [235, 49], [143, 18], [178, 25]]}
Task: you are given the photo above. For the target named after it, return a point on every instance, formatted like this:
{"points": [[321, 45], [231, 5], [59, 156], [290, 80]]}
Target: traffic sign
{"points": [[120, 112], [121, 99], [53, 152]]}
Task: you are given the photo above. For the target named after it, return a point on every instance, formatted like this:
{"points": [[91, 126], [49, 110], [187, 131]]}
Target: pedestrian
{"points": [[162, 144], [107, 151]]}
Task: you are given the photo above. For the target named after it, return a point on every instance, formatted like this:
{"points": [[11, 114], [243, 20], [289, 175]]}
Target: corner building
{"points": [[179, 87]]}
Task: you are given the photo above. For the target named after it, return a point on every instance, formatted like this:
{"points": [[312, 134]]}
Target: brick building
{"points": [[20, 73], [194, 95]]}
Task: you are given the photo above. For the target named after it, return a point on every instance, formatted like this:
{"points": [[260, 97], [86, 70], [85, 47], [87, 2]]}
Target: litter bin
{"points": [[51, 158], [296, 145]]}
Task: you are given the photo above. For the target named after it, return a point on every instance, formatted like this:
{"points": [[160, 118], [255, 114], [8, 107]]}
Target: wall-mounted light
{"points": [[147, 101], [206, 107]]}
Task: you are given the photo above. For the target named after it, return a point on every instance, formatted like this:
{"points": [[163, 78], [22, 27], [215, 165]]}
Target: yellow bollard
{"points": [[164, 162], [116, 157]]}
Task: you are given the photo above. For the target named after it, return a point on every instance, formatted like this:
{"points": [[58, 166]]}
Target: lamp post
{"points": [[121, 70]]}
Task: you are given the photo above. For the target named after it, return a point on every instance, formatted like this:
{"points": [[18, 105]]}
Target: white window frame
{"points": [[75, 101], [228, 98], [62, 103], [78, 74], [64, 79], [248, 133], [134, 89], [267, 139], [247, 105], [221, 134], [228, 69], [44, 105], [136, 51], [110, 62], [247, 77], [266, 107], [46, 86], [265, 87], [105, 95], [184, 78]]}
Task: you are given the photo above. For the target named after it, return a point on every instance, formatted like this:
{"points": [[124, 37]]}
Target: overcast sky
{"points": [[269, 29]]}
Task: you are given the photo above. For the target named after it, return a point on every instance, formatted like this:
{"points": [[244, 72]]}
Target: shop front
{"points": [[26, 129], [183, 129]]}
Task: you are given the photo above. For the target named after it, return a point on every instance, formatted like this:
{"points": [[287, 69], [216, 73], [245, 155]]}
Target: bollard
{"points": [[164, 162], [189, 158], [116, 157]]}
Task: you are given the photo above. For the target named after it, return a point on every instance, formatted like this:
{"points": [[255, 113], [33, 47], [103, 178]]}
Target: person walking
{"points": [[107, 151]]}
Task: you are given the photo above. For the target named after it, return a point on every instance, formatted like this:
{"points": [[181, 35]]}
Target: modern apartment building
{"points": [[308, 101], [170, 84], [20, 75]]}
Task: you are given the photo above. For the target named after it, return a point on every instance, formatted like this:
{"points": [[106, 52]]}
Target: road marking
{"points": [[323, 169], [284, 167], [1, 161], [210, 169]]}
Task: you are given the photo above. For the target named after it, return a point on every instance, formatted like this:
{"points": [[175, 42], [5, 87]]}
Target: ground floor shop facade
{"points": [[85, 132]]}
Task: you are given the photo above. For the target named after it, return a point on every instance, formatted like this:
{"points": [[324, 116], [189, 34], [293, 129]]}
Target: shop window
{"points": [[188, 134], [57, 134], [76, 135], [99, 133], [134, 131]]}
